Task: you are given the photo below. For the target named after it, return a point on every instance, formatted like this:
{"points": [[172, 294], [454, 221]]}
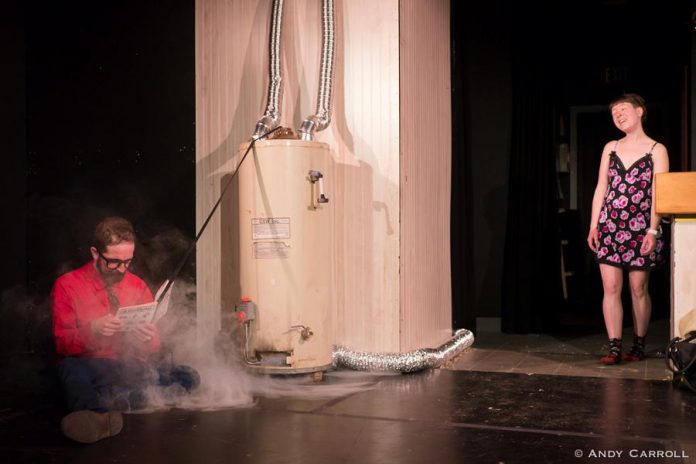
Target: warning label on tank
{"points": [[271, 250], [270, 228]]}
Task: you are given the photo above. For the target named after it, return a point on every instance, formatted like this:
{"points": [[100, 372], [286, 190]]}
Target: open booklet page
{"points": [[146, 313]]}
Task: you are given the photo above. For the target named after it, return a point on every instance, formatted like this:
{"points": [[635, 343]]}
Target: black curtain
{"points": [[461, 217], [110, 104], [531, 282]]}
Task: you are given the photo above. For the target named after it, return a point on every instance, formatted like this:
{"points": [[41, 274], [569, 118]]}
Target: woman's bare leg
{"points": [[642, 306], [612, 281]]}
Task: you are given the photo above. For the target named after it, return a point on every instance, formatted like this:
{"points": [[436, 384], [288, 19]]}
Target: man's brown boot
{"points": [[89, 426]]}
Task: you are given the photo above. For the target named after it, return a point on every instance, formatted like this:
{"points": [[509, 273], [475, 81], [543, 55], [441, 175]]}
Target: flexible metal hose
{"points": [[321, 119], [271, 117], [412, 361]]}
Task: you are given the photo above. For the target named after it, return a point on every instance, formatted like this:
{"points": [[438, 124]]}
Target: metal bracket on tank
{"points": [[316, 177]]}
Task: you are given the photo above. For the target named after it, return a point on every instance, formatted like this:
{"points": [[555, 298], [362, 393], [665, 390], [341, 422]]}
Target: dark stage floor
{"points": [[441, 416]]}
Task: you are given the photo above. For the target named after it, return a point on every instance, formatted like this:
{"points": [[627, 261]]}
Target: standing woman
{"points": [[624, 228]]}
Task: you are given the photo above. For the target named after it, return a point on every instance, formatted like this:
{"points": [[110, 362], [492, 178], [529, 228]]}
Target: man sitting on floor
{"points": [[102, 368]]}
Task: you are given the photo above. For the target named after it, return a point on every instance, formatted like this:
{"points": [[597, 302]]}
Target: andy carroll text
{"points": [[638, 454]]}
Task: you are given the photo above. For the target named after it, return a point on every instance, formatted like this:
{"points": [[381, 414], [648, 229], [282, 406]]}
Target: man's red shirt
{"points": [[79, 297]]}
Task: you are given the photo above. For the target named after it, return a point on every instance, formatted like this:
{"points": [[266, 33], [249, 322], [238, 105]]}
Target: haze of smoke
{"points": [[225, 382]]}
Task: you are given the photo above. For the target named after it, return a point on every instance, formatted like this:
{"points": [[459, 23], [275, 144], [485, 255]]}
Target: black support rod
{"points": [[181, 265]]}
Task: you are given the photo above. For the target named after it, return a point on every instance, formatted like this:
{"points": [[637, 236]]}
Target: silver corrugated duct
{"points": [[271, 117], [321, 119], [412, 361]]}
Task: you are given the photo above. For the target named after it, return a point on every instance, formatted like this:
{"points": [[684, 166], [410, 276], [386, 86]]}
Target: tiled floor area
{"points": [[575, 355]]}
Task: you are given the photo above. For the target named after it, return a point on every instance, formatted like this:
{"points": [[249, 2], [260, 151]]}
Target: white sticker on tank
{"points": [[271, 250], [270, 228]]}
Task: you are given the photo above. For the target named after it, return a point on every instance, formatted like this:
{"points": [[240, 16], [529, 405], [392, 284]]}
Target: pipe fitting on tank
{"points": [[266, 125], [316, 177]]}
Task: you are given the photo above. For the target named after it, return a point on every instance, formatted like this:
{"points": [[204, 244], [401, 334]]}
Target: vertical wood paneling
{"points": [[231, 81], [426, 315], [230, 46], [366, 130]]}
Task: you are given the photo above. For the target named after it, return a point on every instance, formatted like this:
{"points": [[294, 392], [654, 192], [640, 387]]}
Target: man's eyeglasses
{"points": [[114, 264]]}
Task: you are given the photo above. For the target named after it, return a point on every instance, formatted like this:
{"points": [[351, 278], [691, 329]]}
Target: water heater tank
{"points": [[285, 255]]}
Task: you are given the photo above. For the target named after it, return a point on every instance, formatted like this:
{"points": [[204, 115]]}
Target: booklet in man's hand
{"points": [[146, 313]]}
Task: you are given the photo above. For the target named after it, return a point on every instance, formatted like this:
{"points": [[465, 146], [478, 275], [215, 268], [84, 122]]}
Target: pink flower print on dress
{"points": [[622, 236], [637, 223], [638, 196], [620, 202], [626, 214]]}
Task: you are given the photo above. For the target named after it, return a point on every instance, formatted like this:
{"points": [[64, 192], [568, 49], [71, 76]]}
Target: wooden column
{"points": [[389, 136], [425, 180]]}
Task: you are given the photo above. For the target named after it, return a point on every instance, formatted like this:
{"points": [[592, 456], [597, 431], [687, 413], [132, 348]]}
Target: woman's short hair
{"points": [[634, 99], [112, 231]]}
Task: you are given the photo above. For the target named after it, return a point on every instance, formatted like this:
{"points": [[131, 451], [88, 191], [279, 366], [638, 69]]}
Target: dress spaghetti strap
{"points": [[651, 148]]}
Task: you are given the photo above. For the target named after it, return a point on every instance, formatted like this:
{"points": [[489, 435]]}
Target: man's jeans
{"points": [[92, 383]]}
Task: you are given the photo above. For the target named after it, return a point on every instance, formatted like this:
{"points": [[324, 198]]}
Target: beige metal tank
{"points": [[286, 249]]}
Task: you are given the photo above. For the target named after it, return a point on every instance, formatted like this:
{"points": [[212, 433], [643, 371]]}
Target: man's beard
{"points": [[112, 277]]}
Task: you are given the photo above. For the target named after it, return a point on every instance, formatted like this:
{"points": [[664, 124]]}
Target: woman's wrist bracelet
{"points": [[654, 232]]}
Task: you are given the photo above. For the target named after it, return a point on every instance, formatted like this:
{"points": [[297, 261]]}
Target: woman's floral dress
{"points": [[625, 215]]}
